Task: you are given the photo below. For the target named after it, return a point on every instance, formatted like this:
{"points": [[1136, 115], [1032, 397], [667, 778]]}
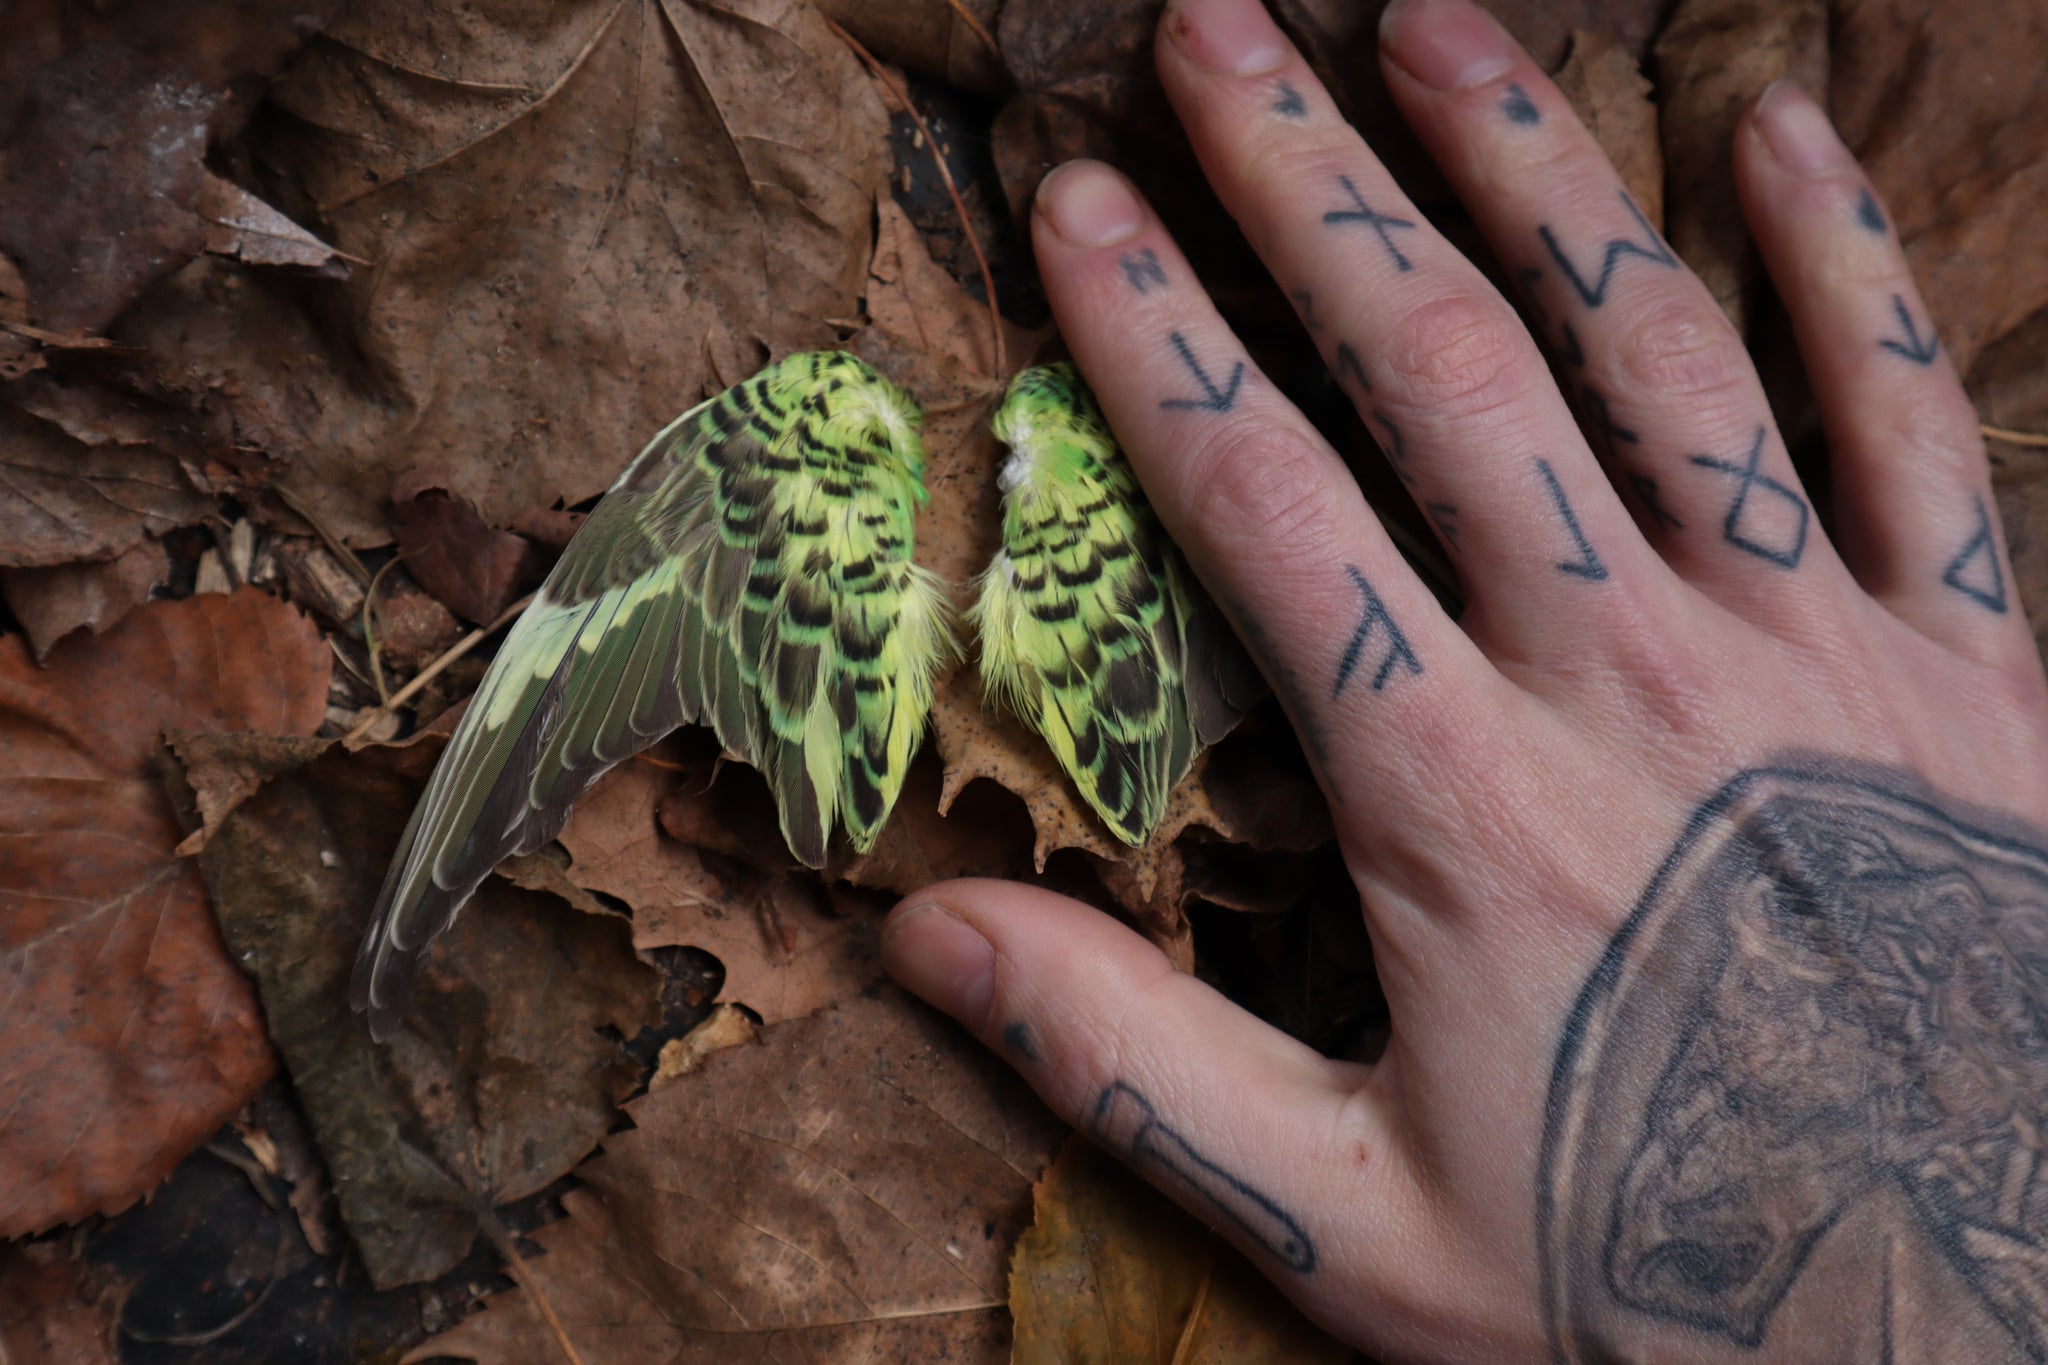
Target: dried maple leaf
{"points": [[845, 1192], [583, 215], [130, 1036], [1113, 1272], [510, 1069]]}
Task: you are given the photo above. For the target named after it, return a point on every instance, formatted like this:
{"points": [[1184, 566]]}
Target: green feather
{"points": [[750, 570], [1091, 627]]}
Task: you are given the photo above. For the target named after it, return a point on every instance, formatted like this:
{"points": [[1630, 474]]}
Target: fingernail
{"points": [[1445, 45], [1236, 37], [1797, 131], [941, 957], [1088, 204]]}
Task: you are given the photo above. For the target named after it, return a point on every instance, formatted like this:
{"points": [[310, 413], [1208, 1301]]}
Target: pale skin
{"points": [[1701, 856]]}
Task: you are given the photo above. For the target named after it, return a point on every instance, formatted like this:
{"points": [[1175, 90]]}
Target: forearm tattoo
{"points": [[1802, 1101]]}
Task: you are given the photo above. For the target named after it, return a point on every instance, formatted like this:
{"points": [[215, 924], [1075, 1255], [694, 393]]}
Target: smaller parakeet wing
{"points": [[751, 570], [1092, 629]]}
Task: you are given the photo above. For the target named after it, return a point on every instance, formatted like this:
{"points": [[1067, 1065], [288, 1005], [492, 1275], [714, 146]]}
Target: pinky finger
{"points": [[1915, 519]]}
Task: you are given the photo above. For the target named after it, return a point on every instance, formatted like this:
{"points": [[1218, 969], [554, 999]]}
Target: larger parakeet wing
{"points": [[751, 570], [1091, 626]]}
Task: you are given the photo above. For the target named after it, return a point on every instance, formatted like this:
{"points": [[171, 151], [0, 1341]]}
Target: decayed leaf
{"points": [[845, 1192], [474, 568], [54, 1311], [584, 217], [1611, 96], [98, 180], [934, 38], [130, 1036], [63, 500], [243, 227], [784, 954], [510, 1067], [1712, 59], [1113, 1272], [726, 1026], [52, 602]]}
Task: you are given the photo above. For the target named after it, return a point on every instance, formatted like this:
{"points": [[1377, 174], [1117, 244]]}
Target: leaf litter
{"points": [[437, 287]]}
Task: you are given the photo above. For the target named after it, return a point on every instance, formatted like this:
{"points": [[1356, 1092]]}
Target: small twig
{"points": [[433, 670], [979, 31], [988, 279], [370, 640], [498, 1234], [328, 538], [2013, 438], [1190, 1341]]}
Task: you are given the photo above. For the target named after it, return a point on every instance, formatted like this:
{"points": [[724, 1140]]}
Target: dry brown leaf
{"points": [[1611, 96], [845, 1192], [934, 38], [726, 1026], [584, 216], [63, 500], [785, 955], [244, 228], [1113, 1272], [131, 1037], [475, 569], [1712, 59], [509, 1068], [54, 1311], [52, 602], [98, 181]]}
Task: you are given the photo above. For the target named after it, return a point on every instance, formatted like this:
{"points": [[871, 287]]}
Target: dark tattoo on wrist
{"points": [[1349, 365], [1213, 399], [1125, 1122], [1395, 448], [1287, 102], [1606, 431], [1372, 620], [1746, 525], [1921, 350], [1868, 213], [1305, 305], [1646, 489], [1650, 248], [1587, 565], [1378, 222], [1018, 1042], [1975, 571], [1813, 1059], [1142, 269], [1443, 516], [1519, 108]]}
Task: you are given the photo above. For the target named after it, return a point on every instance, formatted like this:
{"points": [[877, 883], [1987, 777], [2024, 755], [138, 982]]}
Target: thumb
{"points": [[1282, 1151]]}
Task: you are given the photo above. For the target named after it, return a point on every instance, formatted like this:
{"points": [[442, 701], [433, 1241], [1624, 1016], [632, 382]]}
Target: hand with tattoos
{"points": [[1703, 856]]}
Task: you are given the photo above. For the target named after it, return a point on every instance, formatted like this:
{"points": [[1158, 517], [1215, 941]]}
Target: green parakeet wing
{"points": [[751, 570], [1091, 626]]}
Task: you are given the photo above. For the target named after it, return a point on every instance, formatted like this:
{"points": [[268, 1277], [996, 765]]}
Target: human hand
{"points": [[1703, 858]]}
